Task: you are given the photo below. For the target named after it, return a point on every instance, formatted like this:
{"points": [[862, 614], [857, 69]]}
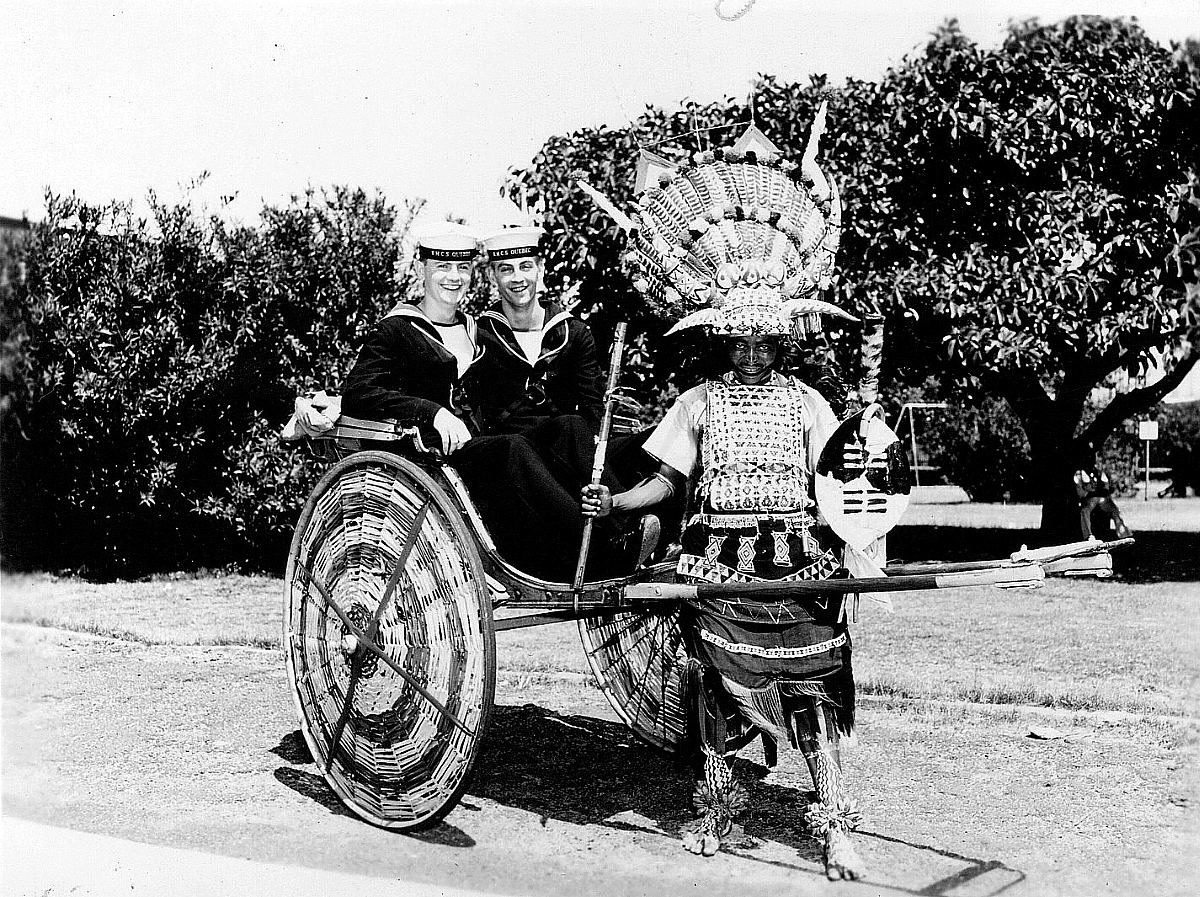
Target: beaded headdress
{"points": [[738, 239]]}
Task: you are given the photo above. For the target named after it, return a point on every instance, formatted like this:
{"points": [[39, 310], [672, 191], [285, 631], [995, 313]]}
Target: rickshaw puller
{"points": [[741, 241]]}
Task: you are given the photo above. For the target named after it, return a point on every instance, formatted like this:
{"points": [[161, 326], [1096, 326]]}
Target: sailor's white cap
{"points": [[514, 242], [448, 244]]}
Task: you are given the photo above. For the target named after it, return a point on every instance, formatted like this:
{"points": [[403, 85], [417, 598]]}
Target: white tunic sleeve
{"points": [[676, 439], [821, 422]]}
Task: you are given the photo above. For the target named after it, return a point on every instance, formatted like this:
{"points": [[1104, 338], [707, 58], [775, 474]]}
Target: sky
{"points": [[419, 99]]}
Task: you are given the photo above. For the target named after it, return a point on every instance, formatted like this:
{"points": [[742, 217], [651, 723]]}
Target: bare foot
{"points": [[841, 859], [700, 837]]}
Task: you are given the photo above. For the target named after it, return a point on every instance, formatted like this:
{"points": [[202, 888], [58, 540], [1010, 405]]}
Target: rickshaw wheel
{"points": [[637, 658], [386, 749]]}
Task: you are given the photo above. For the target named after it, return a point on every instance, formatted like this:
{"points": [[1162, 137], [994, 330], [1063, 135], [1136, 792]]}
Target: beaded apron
{"points": [[753, 523]]}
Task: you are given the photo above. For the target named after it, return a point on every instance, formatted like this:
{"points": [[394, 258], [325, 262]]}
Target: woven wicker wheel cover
{"points": [[399, 762], [637, 658]]}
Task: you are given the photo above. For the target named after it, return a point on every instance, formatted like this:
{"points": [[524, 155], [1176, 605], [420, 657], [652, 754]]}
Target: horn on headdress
{"points": [[623, 221], [808, 163], [804, 305], [704, 317]]}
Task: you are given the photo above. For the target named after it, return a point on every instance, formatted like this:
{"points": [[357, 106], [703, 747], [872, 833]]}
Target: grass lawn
{"points": [[941, 524], [1072, 644], [1131, 645], [949, 506]]}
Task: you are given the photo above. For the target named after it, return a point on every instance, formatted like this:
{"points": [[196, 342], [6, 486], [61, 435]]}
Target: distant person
{"points": [[1096, 505], [1182, 461]]}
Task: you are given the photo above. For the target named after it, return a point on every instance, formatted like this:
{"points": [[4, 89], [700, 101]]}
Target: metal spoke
{"points": [[401, 562], [378, 652]]}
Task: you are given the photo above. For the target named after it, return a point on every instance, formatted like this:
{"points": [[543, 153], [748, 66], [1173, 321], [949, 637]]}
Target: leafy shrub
{"points": [[981, 447], [150, 364]]}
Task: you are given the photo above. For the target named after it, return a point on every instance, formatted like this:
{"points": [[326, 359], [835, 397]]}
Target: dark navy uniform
{"points": [[513, 395], [527, 489], [405, 372]]}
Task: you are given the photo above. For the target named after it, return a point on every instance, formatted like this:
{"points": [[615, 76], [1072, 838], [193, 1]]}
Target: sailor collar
{"points": [[431, 331], [552, 344]]}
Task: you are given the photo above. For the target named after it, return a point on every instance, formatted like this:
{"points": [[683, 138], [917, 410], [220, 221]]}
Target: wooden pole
{"points": [[1020, 575], [614, 371], [1146, 495]]}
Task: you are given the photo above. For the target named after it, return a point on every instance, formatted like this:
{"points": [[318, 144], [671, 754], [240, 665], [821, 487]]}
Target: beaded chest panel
{"points": [[753, 449]]}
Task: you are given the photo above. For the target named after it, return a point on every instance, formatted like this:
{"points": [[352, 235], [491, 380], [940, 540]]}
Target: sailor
{"points": [[542, 361], [414, 367], [540, 376]]}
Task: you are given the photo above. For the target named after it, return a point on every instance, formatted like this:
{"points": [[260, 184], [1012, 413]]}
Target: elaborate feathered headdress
{"points": [[739, 240]]}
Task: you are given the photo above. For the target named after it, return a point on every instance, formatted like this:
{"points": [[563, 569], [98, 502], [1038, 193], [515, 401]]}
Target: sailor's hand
{"points": [[597, 501], [453, 431], [311, 421]]}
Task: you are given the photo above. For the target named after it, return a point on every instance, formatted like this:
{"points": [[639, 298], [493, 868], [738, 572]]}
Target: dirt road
{"points": [[197, 747]]}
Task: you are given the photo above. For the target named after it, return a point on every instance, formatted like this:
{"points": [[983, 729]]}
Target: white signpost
{"points": [[1147, 432]]}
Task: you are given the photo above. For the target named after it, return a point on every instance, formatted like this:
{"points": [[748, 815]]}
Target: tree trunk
{"points": [[1060, 507], [1056, 454]]}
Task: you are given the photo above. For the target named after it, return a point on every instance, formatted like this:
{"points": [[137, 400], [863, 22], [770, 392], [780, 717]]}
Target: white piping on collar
{"points": [[514, 348], [429, 330]]}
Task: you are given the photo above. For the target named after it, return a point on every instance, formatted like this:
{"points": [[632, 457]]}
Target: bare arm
{"points": [[598, 501]]}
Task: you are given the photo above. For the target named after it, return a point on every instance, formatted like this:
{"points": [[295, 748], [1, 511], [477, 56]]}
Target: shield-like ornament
{"points": [[862, 481]]}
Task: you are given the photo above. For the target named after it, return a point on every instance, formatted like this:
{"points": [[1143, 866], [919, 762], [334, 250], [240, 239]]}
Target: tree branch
{"points": [[1021, 388], [1114, 358], [1128, 404]]}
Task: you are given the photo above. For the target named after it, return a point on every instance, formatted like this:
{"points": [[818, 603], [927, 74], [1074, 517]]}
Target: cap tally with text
{"points": [[447, 246], [514, 242]]}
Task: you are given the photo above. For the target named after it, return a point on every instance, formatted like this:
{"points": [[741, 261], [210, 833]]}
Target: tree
{"points": [[1027, 217], [1051, 235]]}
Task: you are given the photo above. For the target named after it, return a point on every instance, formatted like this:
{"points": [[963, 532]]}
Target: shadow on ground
{"points": [[584, 770], [1156, 557], [587, 771]]}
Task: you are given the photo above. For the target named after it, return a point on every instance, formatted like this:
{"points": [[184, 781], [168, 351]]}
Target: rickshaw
{"points": [[393, 579], [389, 629]]}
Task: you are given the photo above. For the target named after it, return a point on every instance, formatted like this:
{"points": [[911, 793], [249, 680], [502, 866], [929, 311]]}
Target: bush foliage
{"points": [[150, 364]]}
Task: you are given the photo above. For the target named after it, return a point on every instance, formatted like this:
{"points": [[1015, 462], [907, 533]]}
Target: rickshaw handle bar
{"points": [[1029, 575]]}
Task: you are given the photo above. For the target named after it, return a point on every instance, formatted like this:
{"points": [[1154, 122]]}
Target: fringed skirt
{"points": [[774, 658]]}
